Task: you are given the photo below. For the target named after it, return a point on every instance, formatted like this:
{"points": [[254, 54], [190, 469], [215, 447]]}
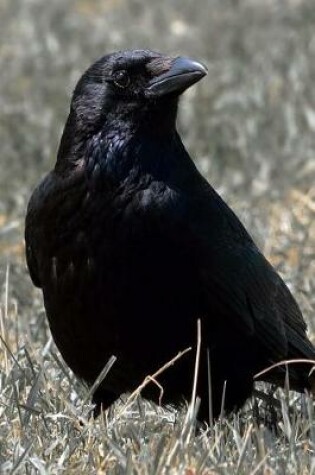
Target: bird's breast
{"points": [[114, 259], [117, 274]]}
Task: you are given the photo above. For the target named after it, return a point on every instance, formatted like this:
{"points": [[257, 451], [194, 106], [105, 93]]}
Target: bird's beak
{"points": [[182, 73]]}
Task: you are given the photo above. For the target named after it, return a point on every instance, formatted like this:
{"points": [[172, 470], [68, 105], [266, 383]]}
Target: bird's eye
{"points": [[121, 79]]}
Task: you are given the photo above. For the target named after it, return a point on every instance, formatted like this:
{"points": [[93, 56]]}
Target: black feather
{"points": [[131, 246]]}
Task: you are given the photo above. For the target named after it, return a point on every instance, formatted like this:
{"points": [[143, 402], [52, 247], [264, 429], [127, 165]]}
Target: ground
{"points": [[250, 126]]}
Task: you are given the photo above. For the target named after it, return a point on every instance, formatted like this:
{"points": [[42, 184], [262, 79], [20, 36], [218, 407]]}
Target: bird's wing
{"points": [[38, 212], [238, 284], [30, 245]]}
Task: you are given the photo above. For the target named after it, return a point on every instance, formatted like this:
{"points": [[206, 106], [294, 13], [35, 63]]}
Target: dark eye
{"points": [[121, 79]]}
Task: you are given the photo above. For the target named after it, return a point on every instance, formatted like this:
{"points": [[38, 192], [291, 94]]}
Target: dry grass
{"points": [[251, 123]]}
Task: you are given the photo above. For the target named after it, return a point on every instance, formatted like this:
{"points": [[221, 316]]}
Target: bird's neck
{"points": [[119, 126], [125, 153], [120, 145]]}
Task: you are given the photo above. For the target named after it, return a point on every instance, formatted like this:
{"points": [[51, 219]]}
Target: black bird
{"points": [[131, 245]]}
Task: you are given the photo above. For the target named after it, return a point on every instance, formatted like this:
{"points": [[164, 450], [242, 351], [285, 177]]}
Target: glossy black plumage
{"points": [[131, 245]]}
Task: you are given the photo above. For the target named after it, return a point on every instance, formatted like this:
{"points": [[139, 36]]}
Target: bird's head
{"points": [[124, 95], [137, 86]]}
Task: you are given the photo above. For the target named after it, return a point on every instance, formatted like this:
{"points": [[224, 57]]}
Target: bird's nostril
{"points": [[159, 65]]}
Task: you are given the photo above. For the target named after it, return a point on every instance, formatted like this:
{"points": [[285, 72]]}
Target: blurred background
{"points": [[249, 124]]}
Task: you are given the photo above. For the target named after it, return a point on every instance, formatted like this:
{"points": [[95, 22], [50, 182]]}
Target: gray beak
{"points": [[183, 73]]}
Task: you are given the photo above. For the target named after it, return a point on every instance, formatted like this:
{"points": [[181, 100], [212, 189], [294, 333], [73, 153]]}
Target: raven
{"points": [[131, 246]]}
